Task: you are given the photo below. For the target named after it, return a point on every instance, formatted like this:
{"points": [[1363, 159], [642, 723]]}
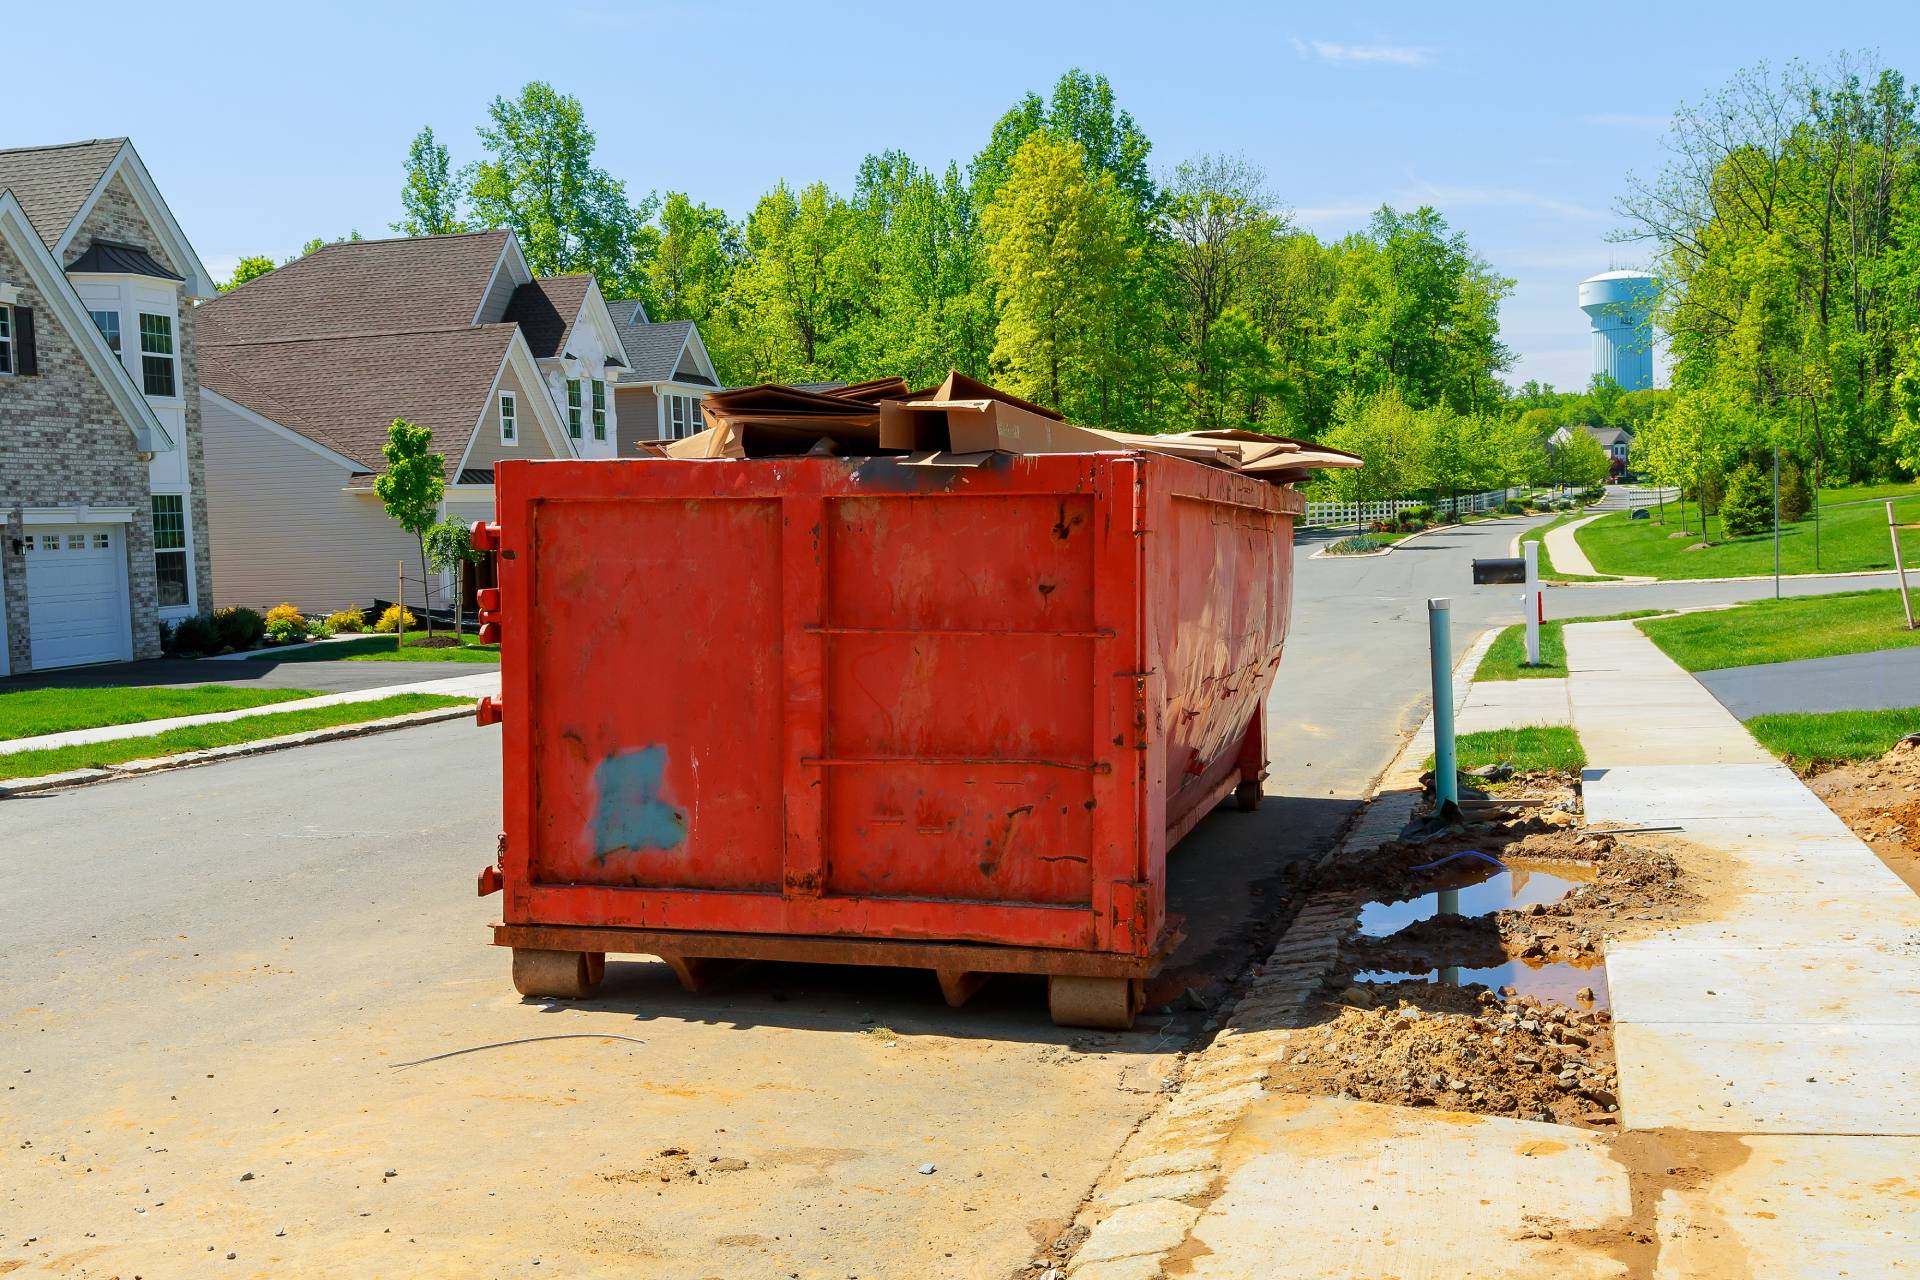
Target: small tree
{"points": [[1748, 507], [449, 550], [411, 488], [1796, 495]]}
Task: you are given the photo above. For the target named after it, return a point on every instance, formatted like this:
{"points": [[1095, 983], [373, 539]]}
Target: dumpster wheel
{"points": [[563, 975], [1247, 795], [1106, 1003]]}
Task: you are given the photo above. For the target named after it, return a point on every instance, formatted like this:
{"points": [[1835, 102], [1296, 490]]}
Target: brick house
{"points": [[103, 517]]}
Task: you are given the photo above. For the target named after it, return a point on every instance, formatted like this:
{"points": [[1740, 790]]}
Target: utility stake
{"points": [[1533, 601], [1893, 531], [1446, 777]]}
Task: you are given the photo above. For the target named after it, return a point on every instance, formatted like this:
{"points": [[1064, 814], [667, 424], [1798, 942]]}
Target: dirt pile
{"points": [[1880, 801], [1519, 1057]]}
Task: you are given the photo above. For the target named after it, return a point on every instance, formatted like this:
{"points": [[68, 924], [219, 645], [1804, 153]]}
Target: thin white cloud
{"points": [[1394, 55], [1445, 197]]}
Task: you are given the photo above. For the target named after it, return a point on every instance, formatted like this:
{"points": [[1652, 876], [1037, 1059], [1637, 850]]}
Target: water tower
{"points": [[1620, 306]]}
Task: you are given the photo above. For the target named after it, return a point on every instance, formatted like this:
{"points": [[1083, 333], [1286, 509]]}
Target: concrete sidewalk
{"points": [[467, 686], [1565, 553]]}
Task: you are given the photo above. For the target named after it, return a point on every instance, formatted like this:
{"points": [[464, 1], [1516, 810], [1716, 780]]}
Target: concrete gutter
{"points": [[189, 759]]}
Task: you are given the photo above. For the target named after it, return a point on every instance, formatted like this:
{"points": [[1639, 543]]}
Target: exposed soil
{"points": [[434, 642], [1518, 1057], [1447, 999], [1880, 801]]}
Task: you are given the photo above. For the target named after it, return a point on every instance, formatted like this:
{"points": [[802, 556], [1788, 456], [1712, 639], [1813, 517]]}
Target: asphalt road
{"points": [[265, 673], [1846, 682], [222, 971]]}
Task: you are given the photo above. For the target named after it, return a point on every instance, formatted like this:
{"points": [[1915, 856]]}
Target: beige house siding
{"points": [[639, 417], [283, 528], [530, 439]]}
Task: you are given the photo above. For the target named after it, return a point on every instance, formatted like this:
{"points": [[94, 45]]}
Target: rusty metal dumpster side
{"points": [[875, 701]]}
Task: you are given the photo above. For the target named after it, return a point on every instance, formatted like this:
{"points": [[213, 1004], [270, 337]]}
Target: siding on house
{"points": [[286, 529], [639, 417], [530, 438]]}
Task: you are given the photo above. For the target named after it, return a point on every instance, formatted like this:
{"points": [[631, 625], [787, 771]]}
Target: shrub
{"points": [[346, 620], [285, 613], [239, 627], [284, 630], [393, 619], [1796, 495], [1513, 506], [1358, 544], [1748, 507], [195, 636], [1424, 511]]}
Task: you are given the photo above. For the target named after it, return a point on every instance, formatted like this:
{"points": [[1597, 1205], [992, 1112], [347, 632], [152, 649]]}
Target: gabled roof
{"points": [[20, 234], [545, 310], [52, 183], [653, 350], [344, 391], [110, 257], [364, 286]]}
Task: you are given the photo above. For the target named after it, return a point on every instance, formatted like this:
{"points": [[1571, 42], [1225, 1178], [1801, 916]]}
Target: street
{"points": [[217, 976]]}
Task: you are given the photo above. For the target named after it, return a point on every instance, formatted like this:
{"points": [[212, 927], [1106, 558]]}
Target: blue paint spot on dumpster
{"points": [[633, 814]]}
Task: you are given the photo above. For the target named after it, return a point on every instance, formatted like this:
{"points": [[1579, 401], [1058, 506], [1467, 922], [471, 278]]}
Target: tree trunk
{"points": [[426, 593]]}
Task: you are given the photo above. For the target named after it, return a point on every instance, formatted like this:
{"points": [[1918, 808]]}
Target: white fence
{"points": [[1339, 513]]}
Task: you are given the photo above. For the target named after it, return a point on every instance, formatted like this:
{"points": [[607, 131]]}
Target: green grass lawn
{"points": [[1853, 536], [379, 648], [1807, 740], [28, 713], [1761, 631], [273, 724], [1537, 747], [1506, 658]]}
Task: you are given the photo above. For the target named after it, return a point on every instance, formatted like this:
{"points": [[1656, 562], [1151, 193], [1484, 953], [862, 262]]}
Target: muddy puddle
{"points": [[1471, 886]]}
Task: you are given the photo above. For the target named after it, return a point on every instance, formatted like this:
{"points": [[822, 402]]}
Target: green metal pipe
{"points": [[1446, 777]]}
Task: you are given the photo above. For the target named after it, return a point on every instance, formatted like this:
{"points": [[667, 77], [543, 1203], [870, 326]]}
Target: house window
{"points": [[573, 407], [676, 416], [156, 355], [6, 340], [108, 323], [170, 548], [508, 411], [599, 410]]}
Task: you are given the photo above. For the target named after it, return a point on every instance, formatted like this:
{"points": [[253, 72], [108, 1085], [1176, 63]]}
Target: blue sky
{"points": [[268, 124]]}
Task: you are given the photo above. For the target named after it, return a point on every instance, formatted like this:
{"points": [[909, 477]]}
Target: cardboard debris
{"points": [[962, 418]]}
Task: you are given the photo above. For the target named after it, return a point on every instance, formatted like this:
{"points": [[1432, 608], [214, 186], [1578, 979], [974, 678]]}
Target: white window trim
{"points": [[13, 350], [597, 408], [173, 356], [509, 414], [173, 612], [575, 408]]}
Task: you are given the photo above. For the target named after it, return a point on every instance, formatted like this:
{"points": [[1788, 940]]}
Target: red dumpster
{"points": [[875, 711]]}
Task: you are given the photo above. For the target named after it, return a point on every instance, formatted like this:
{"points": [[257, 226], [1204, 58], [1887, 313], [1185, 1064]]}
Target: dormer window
{"points": [[573, 407], [156, 355]]}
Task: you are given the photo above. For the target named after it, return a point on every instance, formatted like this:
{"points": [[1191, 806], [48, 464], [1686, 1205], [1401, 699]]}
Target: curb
{"points": [[1387, 551], [213, 755], [1170, 1168]]}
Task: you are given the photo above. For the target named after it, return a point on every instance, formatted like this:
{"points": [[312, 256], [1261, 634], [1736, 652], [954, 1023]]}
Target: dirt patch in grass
{"points": [[1880, 801]]}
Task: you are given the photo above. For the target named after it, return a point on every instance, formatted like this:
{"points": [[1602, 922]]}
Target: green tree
{"points": [[1748, 508], [430, 195], [1796, 495], [1579, 461], [411, 488], [1055, 252], [692, 265], [316, 244], [449, 549], [248, 268], [538, 178]]}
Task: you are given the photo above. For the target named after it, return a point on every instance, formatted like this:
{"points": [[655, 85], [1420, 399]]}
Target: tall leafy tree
{"points": [[539, 179], [248, 268], [429, 195], [411, 487], [1055, 252]]}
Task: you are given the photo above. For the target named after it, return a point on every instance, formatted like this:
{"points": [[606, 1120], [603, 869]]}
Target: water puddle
{"points": [[1469, 888], [1560, 983]]}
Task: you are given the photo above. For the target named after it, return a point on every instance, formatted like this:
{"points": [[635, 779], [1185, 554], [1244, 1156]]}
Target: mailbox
{"points": [[1503, 569]]}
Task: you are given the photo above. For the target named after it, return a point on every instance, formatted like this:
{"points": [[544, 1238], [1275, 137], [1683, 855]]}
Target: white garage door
{"points": [[77, 595]]}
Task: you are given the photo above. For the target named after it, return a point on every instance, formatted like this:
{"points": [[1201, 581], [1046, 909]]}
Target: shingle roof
{"points": [[545, 311], [51, 183], [364, 286], [344, 391], [654, 349]]}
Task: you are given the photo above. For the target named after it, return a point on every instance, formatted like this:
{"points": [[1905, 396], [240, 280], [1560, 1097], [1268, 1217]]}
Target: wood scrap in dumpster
{"points": [[966, 417]]}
